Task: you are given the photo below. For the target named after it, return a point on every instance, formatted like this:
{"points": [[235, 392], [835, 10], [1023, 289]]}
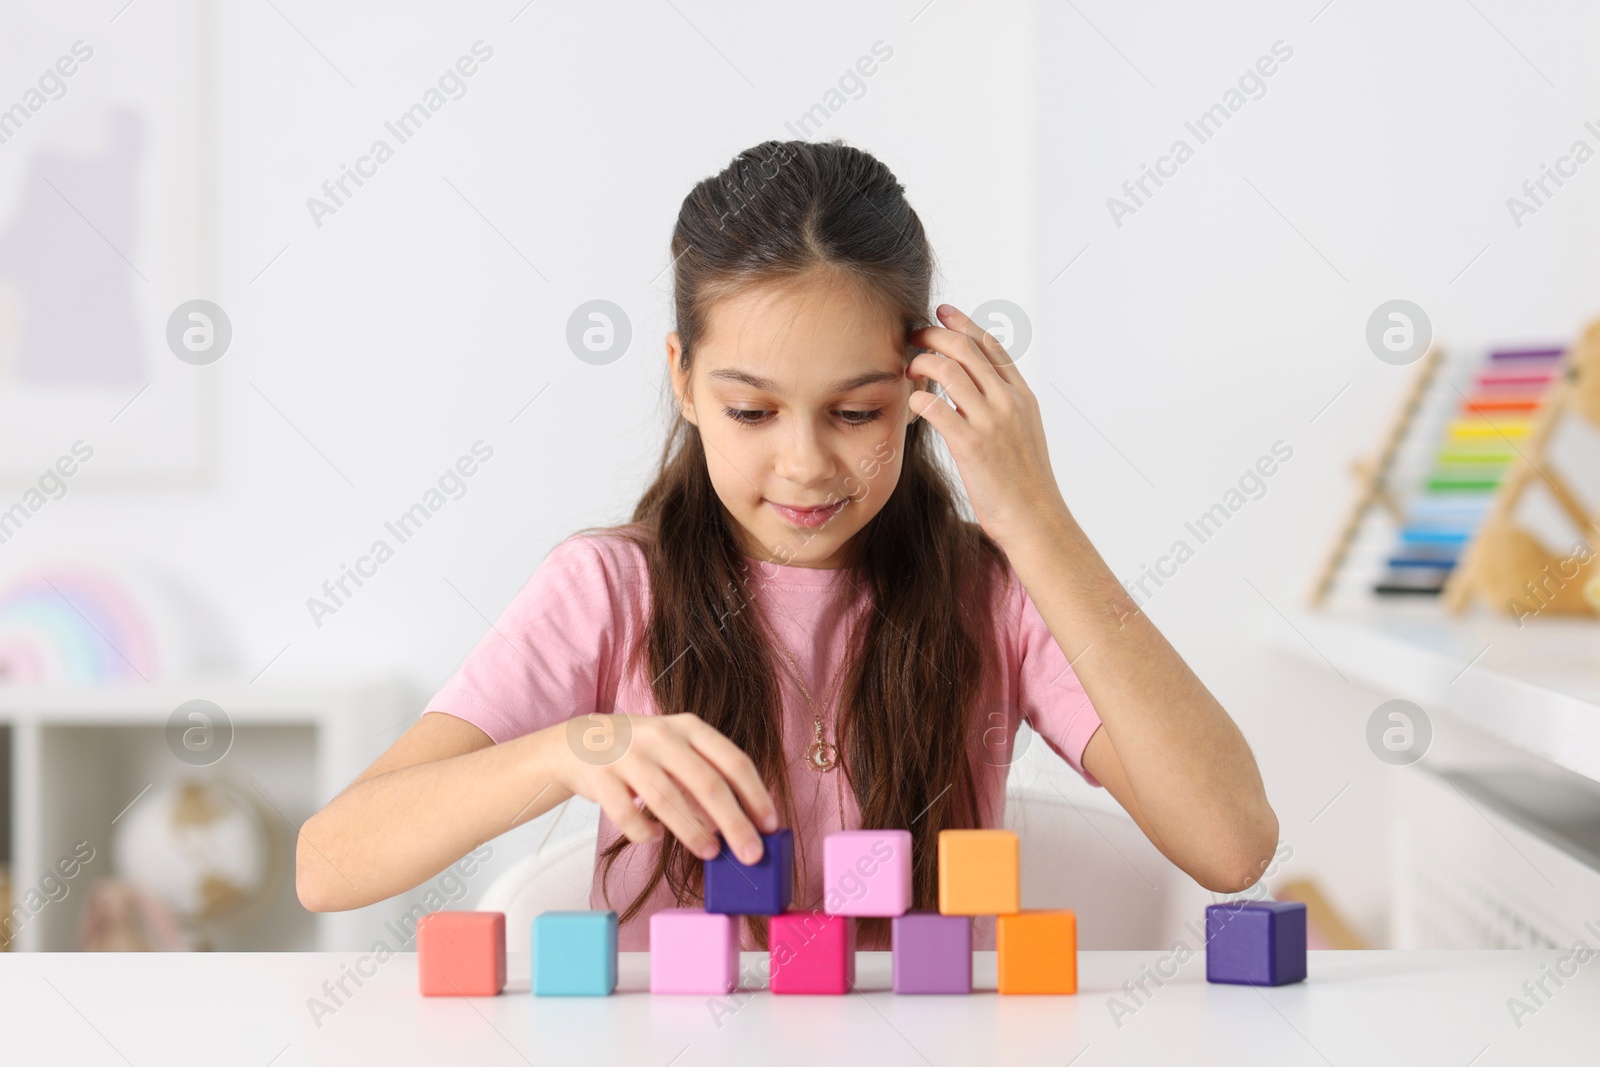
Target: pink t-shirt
{"points": [[559, 648]]}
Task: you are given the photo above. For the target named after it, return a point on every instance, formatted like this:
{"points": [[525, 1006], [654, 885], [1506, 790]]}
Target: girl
{"points": [[798, 628]]}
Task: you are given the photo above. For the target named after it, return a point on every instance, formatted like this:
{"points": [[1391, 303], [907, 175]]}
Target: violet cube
{"points": [[765, 887], [932, 953], [1257, 942]]}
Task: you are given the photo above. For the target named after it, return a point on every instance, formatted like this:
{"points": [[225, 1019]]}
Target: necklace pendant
{"points": [[821, 756]]}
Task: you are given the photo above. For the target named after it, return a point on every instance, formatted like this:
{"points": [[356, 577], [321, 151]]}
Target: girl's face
{"points": [[801, 397]]}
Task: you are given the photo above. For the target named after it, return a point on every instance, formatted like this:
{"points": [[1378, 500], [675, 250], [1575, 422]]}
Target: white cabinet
{"points": [[81, 756], [1495, 842], [1493, 859]]}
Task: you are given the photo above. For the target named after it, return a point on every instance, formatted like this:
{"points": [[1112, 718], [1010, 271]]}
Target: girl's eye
{"points": [[754, 418]]}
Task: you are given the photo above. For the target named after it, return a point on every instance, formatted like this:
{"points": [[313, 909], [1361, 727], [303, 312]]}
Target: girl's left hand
{"points": [[994, 432]]}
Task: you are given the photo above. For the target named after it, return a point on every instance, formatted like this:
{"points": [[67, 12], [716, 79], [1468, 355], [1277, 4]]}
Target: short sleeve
{"points": [[548, 656], [1052, 700]]}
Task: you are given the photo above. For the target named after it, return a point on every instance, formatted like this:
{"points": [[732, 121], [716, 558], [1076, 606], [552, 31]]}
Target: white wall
{"points": [[431, 308], [1205, 328]]}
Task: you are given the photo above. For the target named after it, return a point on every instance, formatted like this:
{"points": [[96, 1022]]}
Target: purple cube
{"points": [[765, 887], [1257, 942], [932, 953]]}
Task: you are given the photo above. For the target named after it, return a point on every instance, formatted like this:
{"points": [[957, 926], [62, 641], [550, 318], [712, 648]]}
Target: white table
{"points": [[250, 1009]]}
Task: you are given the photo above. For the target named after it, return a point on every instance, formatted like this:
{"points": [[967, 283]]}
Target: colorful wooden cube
{"points": [[1037, 951], [765, 887], [812, 952], [575, 953], [1259, 942], [866, 872], [980, 872], [693, 951], [461, 953], [932, 953]]}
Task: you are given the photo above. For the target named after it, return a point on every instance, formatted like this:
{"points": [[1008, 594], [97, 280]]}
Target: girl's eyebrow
{"points": [[729, 374]]}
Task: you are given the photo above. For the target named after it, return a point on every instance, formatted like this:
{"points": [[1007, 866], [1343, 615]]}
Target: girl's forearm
{"points": [[1188, 766], [392, 832]]}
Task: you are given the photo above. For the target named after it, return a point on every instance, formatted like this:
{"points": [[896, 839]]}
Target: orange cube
{"points": [[462, 953], [980, 872], [1037, 951]]}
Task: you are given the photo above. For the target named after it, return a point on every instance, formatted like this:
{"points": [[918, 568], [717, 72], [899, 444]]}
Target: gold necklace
{"points": [[821, 756]]}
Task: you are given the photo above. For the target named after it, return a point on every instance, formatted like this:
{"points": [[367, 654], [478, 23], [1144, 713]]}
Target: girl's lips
{"points": [[807, 518]]}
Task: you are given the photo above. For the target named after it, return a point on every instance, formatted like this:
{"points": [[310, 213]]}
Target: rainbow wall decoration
{"points": [[1478, 445], [72, 623]]}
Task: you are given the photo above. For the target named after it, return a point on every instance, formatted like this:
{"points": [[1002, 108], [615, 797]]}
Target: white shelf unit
{"points": [[1496, 845], [1535, 687], [80, 754]]}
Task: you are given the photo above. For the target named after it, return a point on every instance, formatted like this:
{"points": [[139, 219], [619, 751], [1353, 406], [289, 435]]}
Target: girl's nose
{"points": [[803, 459]]}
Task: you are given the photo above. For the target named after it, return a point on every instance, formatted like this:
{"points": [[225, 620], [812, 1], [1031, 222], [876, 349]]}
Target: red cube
{"points": [[462, 953]]}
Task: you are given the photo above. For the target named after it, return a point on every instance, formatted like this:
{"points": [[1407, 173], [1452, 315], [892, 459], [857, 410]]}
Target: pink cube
{"points": [[812, 952], [693, 951], [866, 872]]}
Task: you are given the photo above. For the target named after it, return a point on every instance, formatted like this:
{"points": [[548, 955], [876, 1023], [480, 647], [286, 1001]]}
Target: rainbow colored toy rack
{"points": [[1478, 445], [1423, 497]]}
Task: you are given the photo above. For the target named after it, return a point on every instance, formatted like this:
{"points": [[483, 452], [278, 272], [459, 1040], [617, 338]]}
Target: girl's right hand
{"points": [[689, 775]]}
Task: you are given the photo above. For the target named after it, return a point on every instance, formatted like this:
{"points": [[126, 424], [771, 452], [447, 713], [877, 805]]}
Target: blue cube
{"points": [[575, 953], [765, 887], [1259, 942]]}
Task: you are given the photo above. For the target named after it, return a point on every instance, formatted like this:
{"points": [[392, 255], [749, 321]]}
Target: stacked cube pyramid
{"points": [[865, 873]]}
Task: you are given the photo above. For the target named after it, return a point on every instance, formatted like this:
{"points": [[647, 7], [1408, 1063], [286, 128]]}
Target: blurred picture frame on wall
{"points": [[108, 327]]}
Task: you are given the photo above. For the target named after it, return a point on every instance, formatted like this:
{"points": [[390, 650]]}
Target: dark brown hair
{"points": [[782, 213]]}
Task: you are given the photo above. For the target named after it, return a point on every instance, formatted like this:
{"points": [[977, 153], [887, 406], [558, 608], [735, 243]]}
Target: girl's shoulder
{"points": [[613, 556], [616, 549], [596, 576]]}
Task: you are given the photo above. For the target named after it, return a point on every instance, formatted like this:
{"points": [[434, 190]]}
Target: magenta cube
{"points": [[932, 953], [693, 951], [812, 952], [866, 872]]}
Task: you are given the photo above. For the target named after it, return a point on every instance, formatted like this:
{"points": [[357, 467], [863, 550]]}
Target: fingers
{"points": [[984, 358], [615, 800], [940, 416], [982, 343], [958, 353], [739, 770], [952, 376], [680, 814], [696, 781], [707, 785]]}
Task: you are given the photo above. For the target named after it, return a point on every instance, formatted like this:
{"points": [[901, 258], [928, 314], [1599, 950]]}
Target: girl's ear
{"points": [[678, 379]]}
